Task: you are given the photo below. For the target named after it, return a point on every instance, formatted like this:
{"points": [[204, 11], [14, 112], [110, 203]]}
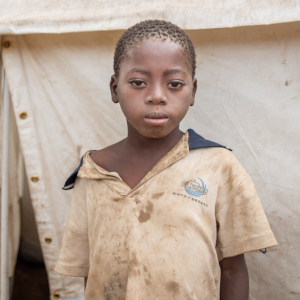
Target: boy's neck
{"points": [[133, 157], [138, 143]]}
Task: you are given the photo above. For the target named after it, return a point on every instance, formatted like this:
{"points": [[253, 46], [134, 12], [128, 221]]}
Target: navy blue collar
{"points": [[69, 184], [195, 141]]}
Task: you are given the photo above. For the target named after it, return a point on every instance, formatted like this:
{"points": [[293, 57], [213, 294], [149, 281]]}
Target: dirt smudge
{"points": [[157, 195], [173, 287], [113, 289], [149, 207], [146, 215], [134, 261], [147, 281]]}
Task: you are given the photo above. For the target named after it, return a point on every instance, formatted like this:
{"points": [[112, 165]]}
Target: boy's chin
{"points": [[158, 134], [155, 132], [153, 135]]}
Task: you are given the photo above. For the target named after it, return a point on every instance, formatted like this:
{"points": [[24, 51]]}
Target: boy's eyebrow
{"points": [[174, 71], [138, 70], [167, 72]]}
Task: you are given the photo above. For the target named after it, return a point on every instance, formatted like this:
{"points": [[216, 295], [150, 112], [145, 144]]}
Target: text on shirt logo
{"points": [[192, 198]]}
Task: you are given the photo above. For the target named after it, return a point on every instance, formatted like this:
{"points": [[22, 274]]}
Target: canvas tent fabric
{"points": [[248, 99], [31, 16], [14, 206]]}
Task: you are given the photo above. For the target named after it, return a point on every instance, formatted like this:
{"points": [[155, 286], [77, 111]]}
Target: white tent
{"points": [[248, 99]]}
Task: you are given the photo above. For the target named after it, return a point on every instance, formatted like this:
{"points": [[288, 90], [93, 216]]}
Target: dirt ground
{"points": [[30, 281]]}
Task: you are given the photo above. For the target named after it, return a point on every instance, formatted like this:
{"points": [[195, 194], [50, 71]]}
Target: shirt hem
{"points": [[254, 244]]}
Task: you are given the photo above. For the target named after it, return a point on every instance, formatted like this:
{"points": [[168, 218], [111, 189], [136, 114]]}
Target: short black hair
{"points": [[154, 29]]}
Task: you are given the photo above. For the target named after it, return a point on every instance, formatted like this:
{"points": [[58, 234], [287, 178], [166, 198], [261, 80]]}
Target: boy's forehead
{"points": [[155, 45], [156, 50]]}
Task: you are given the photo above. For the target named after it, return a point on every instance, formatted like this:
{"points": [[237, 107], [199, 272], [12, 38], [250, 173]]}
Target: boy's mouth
{"points": [[156, 117]]}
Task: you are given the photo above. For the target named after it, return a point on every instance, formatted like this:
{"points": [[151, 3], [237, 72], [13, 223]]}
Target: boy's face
{"points": [[155, 87]]}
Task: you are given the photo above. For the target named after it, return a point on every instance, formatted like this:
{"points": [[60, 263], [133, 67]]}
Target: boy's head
{"points": [[154, 79], [154, 29]]}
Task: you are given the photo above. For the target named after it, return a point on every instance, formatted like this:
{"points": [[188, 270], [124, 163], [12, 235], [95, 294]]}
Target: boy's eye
{"points": [[137, 83], [175, 84]]}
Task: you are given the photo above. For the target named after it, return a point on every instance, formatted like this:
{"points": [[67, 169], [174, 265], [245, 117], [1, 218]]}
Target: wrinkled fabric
{"points": [[14, 205], [53, 16], [164, 238], [247, 99]]}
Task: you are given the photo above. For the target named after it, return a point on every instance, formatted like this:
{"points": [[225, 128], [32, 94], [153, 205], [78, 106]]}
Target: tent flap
{"points": [[31, 16]]}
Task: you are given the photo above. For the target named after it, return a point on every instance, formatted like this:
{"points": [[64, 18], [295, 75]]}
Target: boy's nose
{"points": [[156, 96]]}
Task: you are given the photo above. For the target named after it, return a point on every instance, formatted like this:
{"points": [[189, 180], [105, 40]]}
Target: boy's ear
{"points": [[113, 88], [194, 91]]}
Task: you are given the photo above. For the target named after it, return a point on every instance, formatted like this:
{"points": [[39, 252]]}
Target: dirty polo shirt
{"points": [[164, 238]]}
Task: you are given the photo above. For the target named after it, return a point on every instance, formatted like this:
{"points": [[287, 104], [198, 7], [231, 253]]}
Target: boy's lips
{"points": [[156, 118]]}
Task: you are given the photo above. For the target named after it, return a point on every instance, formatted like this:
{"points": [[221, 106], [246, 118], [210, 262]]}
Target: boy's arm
{"points": [[234, 278]]}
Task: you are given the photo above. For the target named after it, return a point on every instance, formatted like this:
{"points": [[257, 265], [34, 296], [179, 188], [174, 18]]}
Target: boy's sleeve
{"points": [[241, 221], [74, 255]]}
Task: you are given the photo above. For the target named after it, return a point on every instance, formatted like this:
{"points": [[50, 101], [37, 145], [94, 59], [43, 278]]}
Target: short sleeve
{"points": [[74, 255], [241, 221]]}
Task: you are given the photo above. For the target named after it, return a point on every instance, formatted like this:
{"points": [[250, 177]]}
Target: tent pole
{"points": [[5, 192]]}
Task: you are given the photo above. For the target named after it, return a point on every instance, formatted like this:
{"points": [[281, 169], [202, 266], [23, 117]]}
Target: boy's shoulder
{"points": [[99, 157], [104, 157]]}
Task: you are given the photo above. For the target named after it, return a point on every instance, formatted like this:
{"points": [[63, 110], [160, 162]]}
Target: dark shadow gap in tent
{"points": [[30, 281]]}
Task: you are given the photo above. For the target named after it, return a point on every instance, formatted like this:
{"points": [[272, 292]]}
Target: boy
{"points": [[161, 214]]}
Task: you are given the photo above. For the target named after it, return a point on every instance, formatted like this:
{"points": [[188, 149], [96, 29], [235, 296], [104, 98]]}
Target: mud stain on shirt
{"points": [[134, 261], [172, 286], [146, 215], [157, 195], [113, 289], [147, 281]]}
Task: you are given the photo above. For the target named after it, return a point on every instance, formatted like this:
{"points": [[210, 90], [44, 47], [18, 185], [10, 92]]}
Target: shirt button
{"points": [[48, 240], [56, 295]]}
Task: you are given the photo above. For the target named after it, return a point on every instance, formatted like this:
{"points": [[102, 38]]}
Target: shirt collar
{"points": [[195, 141]]}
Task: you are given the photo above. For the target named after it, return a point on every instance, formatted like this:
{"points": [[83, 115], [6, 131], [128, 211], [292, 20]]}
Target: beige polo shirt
{"points": [[164, 238]]}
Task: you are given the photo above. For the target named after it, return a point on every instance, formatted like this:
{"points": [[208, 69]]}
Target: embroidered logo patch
{"points": [[195, 188]]}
